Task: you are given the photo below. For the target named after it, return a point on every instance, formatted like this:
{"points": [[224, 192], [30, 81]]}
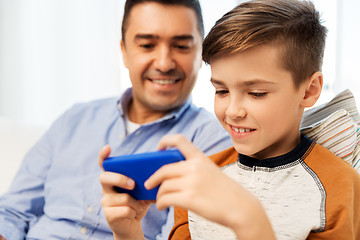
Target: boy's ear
{"points": [[123, 51], [313, 87]]}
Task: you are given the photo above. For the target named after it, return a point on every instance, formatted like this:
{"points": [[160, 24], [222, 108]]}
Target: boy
{"points": [[265, 59]]}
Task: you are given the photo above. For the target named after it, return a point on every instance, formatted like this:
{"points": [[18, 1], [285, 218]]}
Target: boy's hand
{"points": [[198, 185], [122, 212]]}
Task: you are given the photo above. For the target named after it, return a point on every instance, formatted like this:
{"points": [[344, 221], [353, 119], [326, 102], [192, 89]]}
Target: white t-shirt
{"points": [[131, 126]]}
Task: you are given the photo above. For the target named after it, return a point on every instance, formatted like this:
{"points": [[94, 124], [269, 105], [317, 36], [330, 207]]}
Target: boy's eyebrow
{"points": [[215, 81], [255, 81], [244, 83], [140, 36]]}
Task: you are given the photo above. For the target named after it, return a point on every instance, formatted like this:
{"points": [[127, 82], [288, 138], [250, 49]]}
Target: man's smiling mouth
{"points": [[164, 81]]}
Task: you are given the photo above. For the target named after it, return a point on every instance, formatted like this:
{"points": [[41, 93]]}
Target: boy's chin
{"points": [[244, 150]]}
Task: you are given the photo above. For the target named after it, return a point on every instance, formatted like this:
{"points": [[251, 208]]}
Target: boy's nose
{"points": [[235, 110]]}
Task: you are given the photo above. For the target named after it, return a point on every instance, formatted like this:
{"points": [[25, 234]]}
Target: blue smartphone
{"points": [[140, 167]]}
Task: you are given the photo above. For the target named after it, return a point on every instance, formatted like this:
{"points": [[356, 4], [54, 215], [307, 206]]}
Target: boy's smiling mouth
{"points": [[237, 131], [242, 130]]}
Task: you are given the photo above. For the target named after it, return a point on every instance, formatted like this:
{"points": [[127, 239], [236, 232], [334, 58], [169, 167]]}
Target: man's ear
{"points": [[124, 55], [313, 87]]}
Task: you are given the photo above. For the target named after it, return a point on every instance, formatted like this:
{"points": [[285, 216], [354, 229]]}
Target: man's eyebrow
{"points": [[140, 36], [183, 37]]}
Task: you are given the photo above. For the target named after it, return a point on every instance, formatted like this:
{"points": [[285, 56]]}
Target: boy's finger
{"points": [[167, 171], [175, 198], [179, 141]]}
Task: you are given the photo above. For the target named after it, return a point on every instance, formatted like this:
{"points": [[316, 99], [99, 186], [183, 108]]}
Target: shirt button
{"points": [[83, 230], [121, 136], [90, 209], [138, 132]]}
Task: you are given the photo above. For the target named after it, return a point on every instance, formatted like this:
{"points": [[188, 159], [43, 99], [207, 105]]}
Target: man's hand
{"points": [[2, 237], [122, 212]]}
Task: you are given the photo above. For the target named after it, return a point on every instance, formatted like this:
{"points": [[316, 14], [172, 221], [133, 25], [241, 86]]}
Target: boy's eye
{"points": [[221, 92], [258, 94]]}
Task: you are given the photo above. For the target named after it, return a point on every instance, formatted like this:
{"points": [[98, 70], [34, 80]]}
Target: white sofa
{"points": [[16, 138]]}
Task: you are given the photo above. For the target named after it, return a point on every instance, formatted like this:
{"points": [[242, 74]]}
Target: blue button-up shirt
{"points": [[56, 192]]}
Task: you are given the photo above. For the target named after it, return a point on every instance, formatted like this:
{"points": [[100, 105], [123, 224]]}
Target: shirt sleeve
{"points": [[180, 231], [24, 201], [343, 211], [342, 187], [166, 228]]}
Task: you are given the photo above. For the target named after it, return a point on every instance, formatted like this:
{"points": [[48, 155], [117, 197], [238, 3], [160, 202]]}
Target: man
{"points": [[56, 193]]}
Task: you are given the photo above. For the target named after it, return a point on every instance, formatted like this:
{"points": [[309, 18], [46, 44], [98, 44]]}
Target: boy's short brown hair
{"points": [[293, 25]]}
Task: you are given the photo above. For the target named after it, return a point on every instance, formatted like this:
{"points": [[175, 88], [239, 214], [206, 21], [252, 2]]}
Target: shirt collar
{"points": [[125, 99], [299, 152]]}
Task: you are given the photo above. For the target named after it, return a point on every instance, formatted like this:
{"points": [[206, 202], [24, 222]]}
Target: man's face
{"points": [[162, 51], [257, 103]]}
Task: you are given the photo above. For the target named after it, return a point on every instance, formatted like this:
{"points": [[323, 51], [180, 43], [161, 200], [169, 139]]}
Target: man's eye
{"points": [[221, 92], [147, 46], [182, 47], [258, 94]]}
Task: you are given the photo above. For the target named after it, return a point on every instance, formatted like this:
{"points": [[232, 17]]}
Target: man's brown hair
{"points": [[192, 4], [293, 25]]}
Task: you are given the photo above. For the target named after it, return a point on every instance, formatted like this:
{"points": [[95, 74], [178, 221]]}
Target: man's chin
{"points": [[165, 105], [164, 108]]}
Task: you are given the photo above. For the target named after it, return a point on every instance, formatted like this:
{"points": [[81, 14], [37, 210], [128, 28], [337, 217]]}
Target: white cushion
{"points": [[16, 138], [335, 125]]}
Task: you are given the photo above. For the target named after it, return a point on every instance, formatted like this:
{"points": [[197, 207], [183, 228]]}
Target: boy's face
{"points": [[162, 51], [257, 103]]}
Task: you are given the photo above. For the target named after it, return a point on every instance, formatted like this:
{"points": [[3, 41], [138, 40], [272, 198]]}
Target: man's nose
{"points": [[164, 61]]}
